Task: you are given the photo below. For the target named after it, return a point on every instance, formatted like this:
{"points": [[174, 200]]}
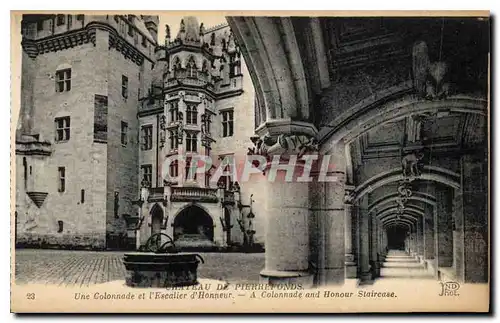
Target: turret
{"points": [[189, 30]]}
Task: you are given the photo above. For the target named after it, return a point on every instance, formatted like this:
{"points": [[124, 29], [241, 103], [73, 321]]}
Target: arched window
{"points": [[191, 114], [191, 67], [191, 142]]}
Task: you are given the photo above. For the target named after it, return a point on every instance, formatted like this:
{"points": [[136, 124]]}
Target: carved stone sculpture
{"points": [[405, 191], [292, 144], [410, 164], [429, 77]]}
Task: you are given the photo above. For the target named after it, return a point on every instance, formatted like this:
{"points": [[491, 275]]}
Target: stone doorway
{"points": [[396, 236], [193, 227]]}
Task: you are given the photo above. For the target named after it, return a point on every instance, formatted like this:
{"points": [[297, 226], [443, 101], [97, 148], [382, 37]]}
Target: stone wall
{"points": [[122, 171], [94, 170]]}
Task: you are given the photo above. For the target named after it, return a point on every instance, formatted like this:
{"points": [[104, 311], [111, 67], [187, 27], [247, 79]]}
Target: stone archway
{"points": [[193, 227], [156, 219], [396, 236]]}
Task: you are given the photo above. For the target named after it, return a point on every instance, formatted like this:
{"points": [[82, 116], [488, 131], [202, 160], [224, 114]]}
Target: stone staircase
{"points": [[399, 264], [194, 242]]}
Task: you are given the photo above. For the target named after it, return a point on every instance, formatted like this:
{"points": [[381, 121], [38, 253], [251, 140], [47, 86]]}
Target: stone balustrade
{"points": [[180, 194]]}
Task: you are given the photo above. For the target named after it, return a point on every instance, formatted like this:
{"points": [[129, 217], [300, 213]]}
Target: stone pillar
{"points": [[287, 212], [429, 233], [375, 268], [364, 237], [429, 245], [471, 221], [328, 207], [413, 242], [356, 238], [443, 226], [350, 259], [420, 238], [287, 240]]}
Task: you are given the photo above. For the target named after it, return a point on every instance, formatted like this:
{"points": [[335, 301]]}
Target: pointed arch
{"points": [[176, 64]]}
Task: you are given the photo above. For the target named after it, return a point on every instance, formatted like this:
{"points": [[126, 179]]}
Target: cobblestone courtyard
{"points": [[83, 268]]}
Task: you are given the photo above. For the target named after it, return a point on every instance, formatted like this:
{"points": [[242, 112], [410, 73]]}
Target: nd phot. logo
{"points": [[449, 288]]}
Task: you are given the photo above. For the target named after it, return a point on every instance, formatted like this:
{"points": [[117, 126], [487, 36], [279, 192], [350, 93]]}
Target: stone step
{"points": [[410, 260], [405, 273], [402, 265]]}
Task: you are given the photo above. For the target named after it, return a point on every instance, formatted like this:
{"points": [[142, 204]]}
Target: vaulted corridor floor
{"points": [[399, 264]]}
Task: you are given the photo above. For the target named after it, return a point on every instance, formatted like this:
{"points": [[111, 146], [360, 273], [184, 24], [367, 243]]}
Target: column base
{"points": [[351, 270], [365, 276], [375, 270], [278, 277], [333, 276]]}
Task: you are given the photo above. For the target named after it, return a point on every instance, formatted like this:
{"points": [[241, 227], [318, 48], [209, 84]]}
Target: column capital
{"points": [[284, 136], [349, 194], [276, 127]]}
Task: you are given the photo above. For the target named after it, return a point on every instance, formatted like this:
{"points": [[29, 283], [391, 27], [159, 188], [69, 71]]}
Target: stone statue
{"points": [[202, 29], [410, 164], [429, 77], [162, 138], [180, 130], [163, 122], [167, 32], [182, 26]]}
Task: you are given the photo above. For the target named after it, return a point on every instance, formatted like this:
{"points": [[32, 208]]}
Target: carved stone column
{"points": [[420, 239], [429, 245], [287, 217], [471, 221], [374, 247], [444, 228], [350, 259], [328, 207], [364, 237]]}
